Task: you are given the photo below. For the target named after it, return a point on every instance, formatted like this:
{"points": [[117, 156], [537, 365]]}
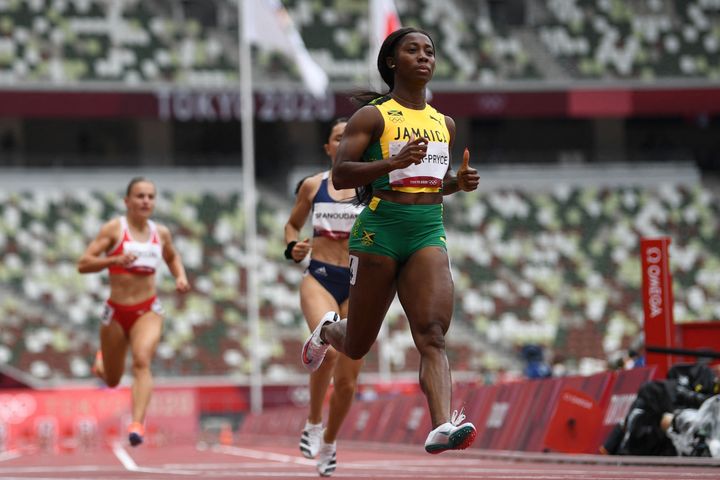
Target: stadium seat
{"points": [[557, 268]]}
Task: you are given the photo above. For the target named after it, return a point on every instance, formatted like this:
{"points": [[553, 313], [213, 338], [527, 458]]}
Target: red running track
{"points": [[263, 458]]}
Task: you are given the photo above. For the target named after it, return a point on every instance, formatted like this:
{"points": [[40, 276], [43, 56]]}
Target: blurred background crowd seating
{"points": [[482, 42], [554, 265]]}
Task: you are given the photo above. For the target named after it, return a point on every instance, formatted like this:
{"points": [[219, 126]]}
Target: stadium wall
{"points": [[530, 416]]}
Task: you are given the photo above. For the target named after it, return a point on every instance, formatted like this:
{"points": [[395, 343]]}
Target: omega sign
{"points": [[659, 326], [655, 281], [225, 106]]}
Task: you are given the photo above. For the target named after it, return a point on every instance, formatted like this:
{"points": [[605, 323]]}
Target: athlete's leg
{"points": [[371, 293], [315, 301], [144, 339], [344, 387], [425, 289], [113, 345]]}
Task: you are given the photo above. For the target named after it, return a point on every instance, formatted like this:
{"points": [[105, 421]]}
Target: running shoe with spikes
{"points": [[310, 439], [136, 432], [451, 435], [326, 460], [314, 350]]}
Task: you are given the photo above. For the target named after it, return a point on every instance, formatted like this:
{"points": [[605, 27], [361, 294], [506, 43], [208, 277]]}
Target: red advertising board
{"points": [[574, 423], [498, 421], [619, 396], [536, 413], [569, 414], [659, 325], [53, 416], [698, 336]]}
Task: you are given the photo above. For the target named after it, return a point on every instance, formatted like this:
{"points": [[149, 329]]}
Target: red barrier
{"points": [[559, 434], [574, 423], [418, 422], [55, 419], [536, 412], [512, 416], [479, 407], [593, 385], [492, 420], [698, 336], [403, 414], [372, 419], [223, 399], [283, 421], [355, 420], [619, 396], [519, 416]]}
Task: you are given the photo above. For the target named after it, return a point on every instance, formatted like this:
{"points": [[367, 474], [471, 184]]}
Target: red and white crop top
{"points": [[149, 254]]}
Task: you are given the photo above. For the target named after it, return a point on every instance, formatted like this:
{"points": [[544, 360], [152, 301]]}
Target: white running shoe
{"points": [[327, 461], [310, 439], [451, 435], [313, 352]]}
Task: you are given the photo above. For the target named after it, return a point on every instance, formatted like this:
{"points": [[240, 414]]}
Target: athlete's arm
{"points": [[173, 260], [466, 178], [299, 215], [363, 128], [94, 258]]}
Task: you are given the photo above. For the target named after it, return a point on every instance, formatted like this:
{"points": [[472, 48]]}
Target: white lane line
{"points": [[232, 466], [48, 469], [262, 455], [130, 465], [124, 457]]}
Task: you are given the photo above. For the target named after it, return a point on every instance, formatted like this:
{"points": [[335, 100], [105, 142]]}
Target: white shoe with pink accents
{"points": [[451, 435], [314, 350]]}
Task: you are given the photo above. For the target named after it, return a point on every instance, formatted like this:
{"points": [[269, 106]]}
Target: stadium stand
{"points": [[131, 42], [141, 43], [556, 266], [641, 40]]}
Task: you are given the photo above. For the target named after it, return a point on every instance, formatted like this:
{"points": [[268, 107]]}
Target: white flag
{"points": [[384, 20], [267, 24]]}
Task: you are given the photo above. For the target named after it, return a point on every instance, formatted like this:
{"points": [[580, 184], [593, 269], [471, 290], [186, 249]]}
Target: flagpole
{"points": [[384, 372], [249, 204], [373, 80]]}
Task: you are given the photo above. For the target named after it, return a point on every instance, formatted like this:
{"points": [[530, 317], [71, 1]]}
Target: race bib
{"points": [[354, 260], [106, 315], [148, 256], [334, 220], [429, 173]]}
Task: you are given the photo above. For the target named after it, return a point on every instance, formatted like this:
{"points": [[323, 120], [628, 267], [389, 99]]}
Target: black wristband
{"points": [[288, 250]]}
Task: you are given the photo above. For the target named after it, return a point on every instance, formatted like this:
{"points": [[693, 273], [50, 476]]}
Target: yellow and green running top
{"points": [[401, 124]]}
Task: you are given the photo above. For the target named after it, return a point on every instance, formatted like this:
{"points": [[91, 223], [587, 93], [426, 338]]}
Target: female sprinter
{"points": [[131, 248], [324, 287], [398, 148]]}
